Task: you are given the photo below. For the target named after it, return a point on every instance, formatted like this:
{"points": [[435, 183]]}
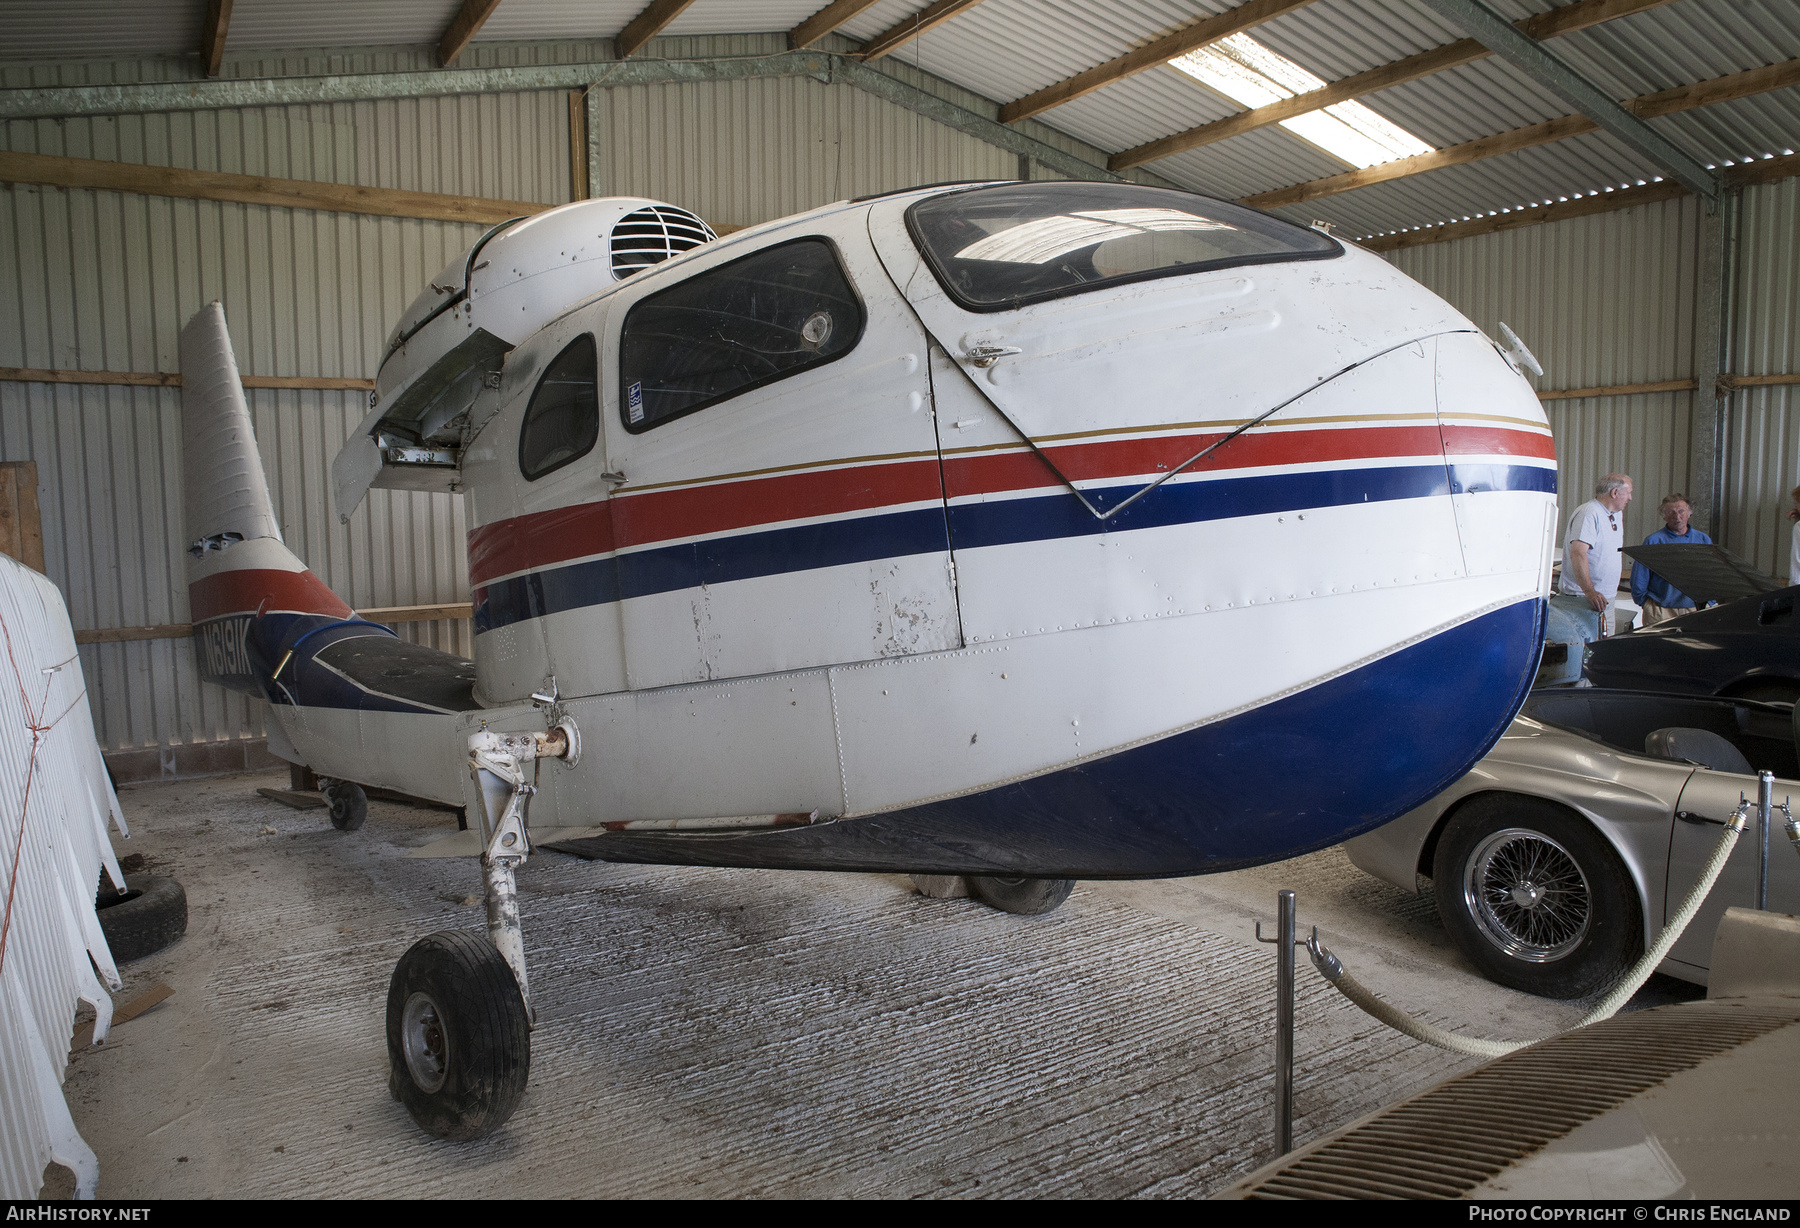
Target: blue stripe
{"points": [[1000, 522], [1298, 774]]}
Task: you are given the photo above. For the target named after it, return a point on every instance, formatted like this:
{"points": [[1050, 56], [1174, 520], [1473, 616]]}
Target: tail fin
{"points": [[239, 570]]}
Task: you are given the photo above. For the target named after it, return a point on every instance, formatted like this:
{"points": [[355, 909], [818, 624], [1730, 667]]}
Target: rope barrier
{"points": [[1332, 969]]}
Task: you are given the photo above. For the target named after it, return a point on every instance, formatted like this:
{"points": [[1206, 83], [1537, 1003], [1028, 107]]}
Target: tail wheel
{"points": [[1026, 896], [349, 805], [1536, 897], [458, 1036]]}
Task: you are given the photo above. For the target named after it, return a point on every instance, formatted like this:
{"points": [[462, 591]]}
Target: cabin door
{"points": [[778, 503]]}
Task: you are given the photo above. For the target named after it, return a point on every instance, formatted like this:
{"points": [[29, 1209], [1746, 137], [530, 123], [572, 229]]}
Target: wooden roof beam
{"points": [[212, 35], [647, 25], [1765, 170], [463, 27], [1160, 50], [1646, 106], [825, 21], [904, 31], [1565, 20]]}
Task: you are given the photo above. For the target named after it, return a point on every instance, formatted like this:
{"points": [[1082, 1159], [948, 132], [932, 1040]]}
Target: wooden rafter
{"points": [[255, 189], [463, 27], [1565, 20], [212, 35], [1663, 102], [905, 30], [647, 25], [1765, 170], [1160, 50], [825, 21]]}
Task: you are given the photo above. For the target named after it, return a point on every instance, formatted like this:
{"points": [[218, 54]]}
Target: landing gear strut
{"points": [[459, 1011]]}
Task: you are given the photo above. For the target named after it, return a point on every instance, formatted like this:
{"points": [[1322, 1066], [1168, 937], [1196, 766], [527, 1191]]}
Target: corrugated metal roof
{"points": [[1005, 49], [257, 24]]}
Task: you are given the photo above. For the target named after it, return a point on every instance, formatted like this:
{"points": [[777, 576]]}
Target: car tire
{"points": [[458, 1036], [1536, 897], [150, 914], [1028, 897]]}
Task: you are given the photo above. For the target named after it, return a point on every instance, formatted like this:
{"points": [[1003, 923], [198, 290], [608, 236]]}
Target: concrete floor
{"points": [[721, 1033]]}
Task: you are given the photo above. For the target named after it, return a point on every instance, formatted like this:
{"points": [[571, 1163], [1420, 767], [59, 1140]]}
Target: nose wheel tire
{"points": [[349, 805], [1536, 898], [458, 1036], [1026, 896]]}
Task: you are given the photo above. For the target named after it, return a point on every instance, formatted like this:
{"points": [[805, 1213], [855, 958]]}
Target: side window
{"points": [[562, 423], [733, 328]]}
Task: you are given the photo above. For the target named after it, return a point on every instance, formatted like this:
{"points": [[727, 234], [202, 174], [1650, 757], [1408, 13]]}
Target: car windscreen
{"points": [[999, 247]]}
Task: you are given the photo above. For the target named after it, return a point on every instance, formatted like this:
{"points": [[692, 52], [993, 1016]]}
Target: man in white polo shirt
{"points": [[1592, 561]]}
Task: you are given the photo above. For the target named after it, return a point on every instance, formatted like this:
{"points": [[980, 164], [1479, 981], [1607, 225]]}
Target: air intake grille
{"points": [[653, 234], [1446, 1141]]}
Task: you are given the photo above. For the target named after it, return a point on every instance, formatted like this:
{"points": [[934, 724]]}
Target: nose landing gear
{"points": [[459, 1012]]}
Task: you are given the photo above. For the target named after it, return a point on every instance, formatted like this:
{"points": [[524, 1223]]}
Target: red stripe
{"points": [[243, 592], [1497, 441], [541, 539]]}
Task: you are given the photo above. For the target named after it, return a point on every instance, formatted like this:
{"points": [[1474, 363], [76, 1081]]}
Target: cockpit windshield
{"points": [[998, 247]]}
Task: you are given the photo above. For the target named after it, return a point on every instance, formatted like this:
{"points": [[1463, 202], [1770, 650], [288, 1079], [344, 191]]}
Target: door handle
{"points": [[988, 355]]}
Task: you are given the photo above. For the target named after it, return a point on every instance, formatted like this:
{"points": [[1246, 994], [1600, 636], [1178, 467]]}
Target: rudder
{"points": [[239, 570]]}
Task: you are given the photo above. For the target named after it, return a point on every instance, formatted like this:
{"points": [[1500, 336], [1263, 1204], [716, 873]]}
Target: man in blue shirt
{"points": [[1660, 599]]}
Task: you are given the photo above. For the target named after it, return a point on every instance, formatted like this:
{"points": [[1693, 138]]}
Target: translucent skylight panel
{"points": [[1243, 69]]}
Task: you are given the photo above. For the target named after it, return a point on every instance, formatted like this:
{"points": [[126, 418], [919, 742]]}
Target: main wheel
{"points": [[150, 914], [1536, 898], [349, 805], [1026, 896], [458, 1036]]}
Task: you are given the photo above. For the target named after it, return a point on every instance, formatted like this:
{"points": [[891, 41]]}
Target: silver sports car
{"points": [[1560, 854]]}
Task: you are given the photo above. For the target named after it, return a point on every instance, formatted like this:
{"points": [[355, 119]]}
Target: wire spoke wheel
{"points": [[1528, 895]]}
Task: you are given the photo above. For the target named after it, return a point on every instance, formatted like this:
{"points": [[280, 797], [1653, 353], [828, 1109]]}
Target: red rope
{"points": [[37, 735]]}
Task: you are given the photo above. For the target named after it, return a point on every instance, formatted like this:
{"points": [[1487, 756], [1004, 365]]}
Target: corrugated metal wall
{"points": [[1601, 300], [104, 281], [1763, 424], [1609, 300], [772, 148]]}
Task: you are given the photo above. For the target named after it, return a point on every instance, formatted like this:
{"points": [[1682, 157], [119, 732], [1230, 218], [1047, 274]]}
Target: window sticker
{"points": [[634, 403]]}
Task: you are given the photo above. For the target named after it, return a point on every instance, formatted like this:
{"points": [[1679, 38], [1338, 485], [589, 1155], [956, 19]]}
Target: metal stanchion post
{"points": [[1765, 811], [1284, 1019]]}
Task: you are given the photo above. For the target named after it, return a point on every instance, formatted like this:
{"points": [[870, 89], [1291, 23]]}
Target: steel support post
{"points": [[1765, 815], [1549, 71], [1712, 355], [1284, 1018], [599, 183]]}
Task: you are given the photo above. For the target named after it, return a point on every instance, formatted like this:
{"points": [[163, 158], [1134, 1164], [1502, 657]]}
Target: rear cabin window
{"points": [[723, 332], [562, 423], [1001, 247]]}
